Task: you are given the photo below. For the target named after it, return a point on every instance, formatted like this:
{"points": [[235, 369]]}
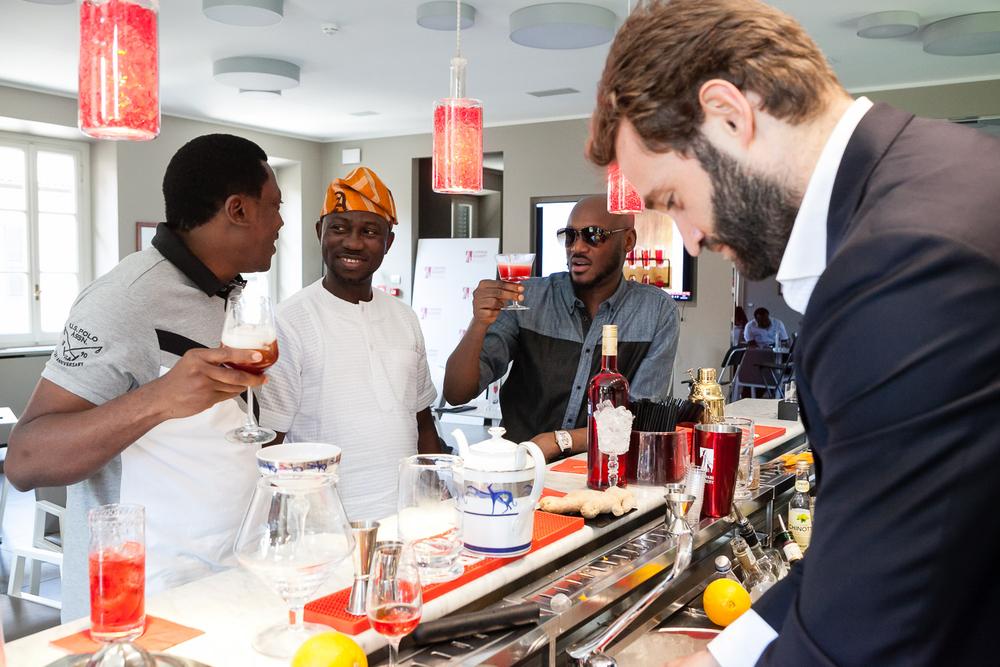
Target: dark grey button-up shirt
{"points": [[556, 348]]}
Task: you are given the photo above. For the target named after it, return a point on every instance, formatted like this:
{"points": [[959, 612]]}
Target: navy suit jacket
{"points": [[898, 368]]}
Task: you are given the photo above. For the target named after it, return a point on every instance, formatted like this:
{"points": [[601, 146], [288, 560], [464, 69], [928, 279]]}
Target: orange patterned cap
{"points": [[361, 190]]}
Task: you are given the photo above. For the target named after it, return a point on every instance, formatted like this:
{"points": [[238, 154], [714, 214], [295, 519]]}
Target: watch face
{"points": [[564, 440]]}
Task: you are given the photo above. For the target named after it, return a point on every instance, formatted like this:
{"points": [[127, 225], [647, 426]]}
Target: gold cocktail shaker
{"points": [[705, 389]]}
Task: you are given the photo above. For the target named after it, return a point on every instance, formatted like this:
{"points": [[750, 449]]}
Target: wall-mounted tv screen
{"points": [[659, 257]]}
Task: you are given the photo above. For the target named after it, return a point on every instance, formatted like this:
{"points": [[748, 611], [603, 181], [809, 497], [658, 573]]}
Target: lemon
{"points": [[329, 649], [725, 600]]}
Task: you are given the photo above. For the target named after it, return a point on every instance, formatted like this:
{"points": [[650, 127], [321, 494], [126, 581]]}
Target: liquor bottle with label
{"points": [[607, 385], [769, 560], [800, 509], [793, 553], [755, 580]]}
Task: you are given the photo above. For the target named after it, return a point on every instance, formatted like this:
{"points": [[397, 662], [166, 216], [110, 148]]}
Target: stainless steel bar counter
{"points": [[617, 561]]}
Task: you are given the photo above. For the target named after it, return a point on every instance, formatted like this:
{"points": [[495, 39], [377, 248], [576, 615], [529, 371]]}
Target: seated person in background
{"points": [[352, 370], [763, 331], [555, 346], [134, 404], [739, 324]]}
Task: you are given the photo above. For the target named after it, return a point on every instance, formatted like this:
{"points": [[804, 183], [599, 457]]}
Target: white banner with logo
{"points": [[445, 275]]}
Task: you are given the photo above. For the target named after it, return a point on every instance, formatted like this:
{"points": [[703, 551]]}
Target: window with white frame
{"points": [[45, 247]]}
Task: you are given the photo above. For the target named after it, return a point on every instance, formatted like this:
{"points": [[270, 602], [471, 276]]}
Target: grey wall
{"points": [[128, 176], [540, 160], [764, 294]]}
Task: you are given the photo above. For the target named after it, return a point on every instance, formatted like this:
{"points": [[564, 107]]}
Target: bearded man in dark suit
{"points": [[884, 230]]}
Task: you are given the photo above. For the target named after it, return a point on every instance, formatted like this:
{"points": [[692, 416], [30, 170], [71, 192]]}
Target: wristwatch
{"points": [[564, 440]]}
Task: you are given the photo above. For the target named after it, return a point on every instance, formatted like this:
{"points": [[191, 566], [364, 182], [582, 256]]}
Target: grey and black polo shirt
{"points": [[126, 329], [556, 349]]}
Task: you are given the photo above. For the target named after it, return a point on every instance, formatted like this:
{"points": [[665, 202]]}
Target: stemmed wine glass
{"points": [[293, 535], [514, 268], [395, 599], [250, 326]]}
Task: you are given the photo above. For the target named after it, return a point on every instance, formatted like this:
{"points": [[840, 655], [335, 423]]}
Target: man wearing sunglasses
{"points": [[554, 348]]}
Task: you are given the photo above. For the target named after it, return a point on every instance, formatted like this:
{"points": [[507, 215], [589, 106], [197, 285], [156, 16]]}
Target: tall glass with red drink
{"points": [[514, 268], [117, 572]]}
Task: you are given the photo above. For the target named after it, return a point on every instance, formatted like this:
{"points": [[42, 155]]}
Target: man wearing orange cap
{"points": [[352, 369]]}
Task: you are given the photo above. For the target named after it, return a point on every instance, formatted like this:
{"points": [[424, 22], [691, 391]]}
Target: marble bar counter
{"points": [[231, 606]]}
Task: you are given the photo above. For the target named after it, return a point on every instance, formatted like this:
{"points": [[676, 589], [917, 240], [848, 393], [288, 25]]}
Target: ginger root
{"points": [[590, 503]]}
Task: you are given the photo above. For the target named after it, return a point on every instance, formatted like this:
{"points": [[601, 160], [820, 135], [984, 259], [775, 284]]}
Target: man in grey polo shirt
{"points": [[133, 404], [555, 346]]}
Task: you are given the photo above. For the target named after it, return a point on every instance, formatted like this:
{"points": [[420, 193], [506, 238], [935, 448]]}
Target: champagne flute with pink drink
{"points": [[395, 597], [513, 268]]}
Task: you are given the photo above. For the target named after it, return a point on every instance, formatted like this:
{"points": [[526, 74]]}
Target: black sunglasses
{"points": [[592, 236]]}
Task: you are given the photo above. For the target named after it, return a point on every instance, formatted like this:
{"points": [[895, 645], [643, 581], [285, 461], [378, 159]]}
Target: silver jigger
{"points": [[677, 506], [364, 548]]}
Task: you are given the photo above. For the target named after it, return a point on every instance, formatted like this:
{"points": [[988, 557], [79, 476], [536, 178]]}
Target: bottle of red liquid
{"points": [[607, 385]]}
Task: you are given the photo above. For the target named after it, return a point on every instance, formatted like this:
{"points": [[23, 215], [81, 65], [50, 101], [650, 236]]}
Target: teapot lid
{"points": [[497, 453]]}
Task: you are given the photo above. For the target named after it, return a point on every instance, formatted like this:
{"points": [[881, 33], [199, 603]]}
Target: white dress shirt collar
{"points": [[805, 256]]}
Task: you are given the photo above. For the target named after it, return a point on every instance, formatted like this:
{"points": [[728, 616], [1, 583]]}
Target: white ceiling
{"points": [[382, 61]]}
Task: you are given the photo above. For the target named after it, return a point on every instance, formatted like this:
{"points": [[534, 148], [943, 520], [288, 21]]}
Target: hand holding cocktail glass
{"points": [[513, 268]]}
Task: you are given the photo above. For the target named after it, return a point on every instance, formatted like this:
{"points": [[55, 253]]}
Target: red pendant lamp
{"points": [[457, 165], [622, 197], [119, 93]]}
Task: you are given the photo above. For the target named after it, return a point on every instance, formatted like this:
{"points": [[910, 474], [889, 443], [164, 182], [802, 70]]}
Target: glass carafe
{"points": [[293, 535]]}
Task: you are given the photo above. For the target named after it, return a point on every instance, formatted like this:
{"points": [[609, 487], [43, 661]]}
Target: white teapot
{"points": [[502, 488]]}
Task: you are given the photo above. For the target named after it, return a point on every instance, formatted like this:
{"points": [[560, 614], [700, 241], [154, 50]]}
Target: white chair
{"points": [[36, 556], [43, 549]]}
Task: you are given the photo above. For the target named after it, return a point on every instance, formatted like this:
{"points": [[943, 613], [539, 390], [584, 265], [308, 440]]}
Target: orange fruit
{"points": [[725, 600], [329, 649]]}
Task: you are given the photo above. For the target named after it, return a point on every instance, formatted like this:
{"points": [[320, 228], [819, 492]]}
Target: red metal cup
{"points": [[717, 450]]}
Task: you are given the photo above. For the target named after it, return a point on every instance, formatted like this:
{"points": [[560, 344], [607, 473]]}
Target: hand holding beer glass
{"points": [[250, 326]]}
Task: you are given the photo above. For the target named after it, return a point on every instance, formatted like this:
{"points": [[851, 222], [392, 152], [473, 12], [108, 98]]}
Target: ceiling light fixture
{"points": [[247, 94], [440, 15], [256, 73], [562, 25], [252, 13], [457, 160], [119, 85], [623, 198], [966, 35], [553, 92], [882, 25]]}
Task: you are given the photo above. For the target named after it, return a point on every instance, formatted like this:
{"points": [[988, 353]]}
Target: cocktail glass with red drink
{"points": [[513, 268], [395, 598], [250, 326], [117, 561]]}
